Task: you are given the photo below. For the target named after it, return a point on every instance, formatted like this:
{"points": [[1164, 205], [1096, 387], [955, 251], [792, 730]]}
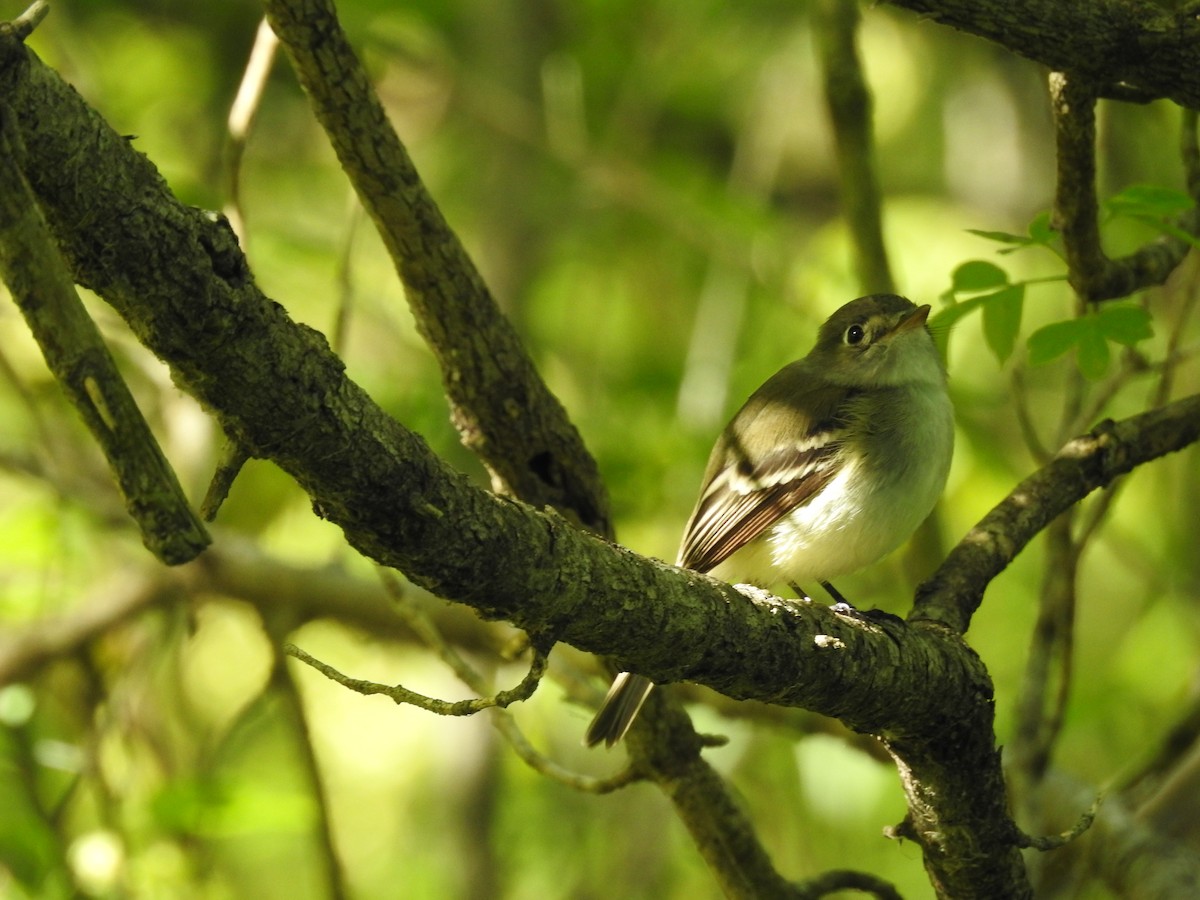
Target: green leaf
{"points": [[1093, 353], [1040, 229], [1168, 228], [1041, 234], [1090, 336], [1051, 341], [945, 319], [977, 275], [1148, 200], [1003, 237], [1125, 324], [1002, 319]]}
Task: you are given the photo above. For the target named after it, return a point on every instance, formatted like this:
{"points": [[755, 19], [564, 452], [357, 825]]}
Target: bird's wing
{"points": [[745, 493]]}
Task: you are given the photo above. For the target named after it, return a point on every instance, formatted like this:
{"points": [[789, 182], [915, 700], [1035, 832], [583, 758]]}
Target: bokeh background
{"points": [[650, 192]]}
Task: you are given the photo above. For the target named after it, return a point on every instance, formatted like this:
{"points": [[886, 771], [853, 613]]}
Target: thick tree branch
{"points": [[81, 363], [1140, 46], [500, 404]]}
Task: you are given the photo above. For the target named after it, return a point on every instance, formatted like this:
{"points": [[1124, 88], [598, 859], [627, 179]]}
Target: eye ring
{"points": [[854, 334]]}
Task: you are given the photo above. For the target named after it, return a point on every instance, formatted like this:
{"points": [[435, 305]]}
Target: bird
{"points": [[829, 466]]}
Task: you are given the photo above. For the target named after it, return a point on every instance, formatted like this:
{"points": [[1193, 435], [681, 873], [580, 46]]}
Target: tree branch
{"points": [[501, 407], [848, 102], [1092, 274], [83, 367], [1088, 462], [1138, 45]]}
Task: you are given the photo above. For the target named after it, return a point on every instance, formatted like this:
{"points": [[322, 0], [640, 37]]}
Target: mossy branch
{"points": [[81, 363]]}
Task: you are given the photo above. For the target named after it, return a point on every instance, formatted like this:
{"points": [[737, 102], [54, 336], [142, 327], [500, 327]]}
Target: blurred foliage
{"points": [[649, 190]]}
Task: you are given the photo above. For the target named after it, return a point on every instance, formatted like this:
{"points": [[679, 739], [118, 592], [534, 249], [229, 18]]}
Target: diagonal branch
{"points": [[501, 407], [84, 368], [1088, 462]]}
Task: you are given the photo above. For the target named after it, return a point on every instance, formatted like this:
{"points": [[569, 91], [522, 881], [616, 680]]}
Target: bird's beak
{"points": [[914, 319]]}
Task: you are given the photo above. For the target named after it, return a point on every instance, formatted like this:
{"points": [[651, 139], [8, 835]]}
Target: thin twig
{"points": [[399, 694], [503, 721], [241, 117], [23, 25], [232, 458], [507, 726], [1054, 841], [837, 880]]}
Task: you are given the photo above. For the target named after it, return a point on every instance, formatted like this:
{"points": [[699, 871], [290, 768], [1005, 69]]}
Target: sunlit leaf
{"points": [[1148, 200], [1040, 234]]}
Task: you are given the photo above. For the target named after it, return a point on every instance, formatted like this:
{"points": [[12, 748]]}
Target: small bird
{"points": [[828, 467]]}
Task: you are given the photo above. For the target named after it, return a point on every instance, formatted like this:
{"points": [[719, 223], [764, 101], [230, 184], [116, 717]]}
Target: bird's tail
{"points": [[620, 707]]}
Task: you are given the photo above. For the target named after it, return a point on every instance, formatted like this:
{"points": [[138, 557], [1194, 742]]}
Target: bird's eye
{"points": [[854, 334]]}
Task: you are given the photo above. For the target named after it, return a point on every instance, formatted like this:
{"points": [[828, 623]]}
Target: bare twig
{"points": [[399, 694], [241, 118], [232, 458], [542, 764], [838, 880], [501, 718], [1054, 841], [23, 25]]}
